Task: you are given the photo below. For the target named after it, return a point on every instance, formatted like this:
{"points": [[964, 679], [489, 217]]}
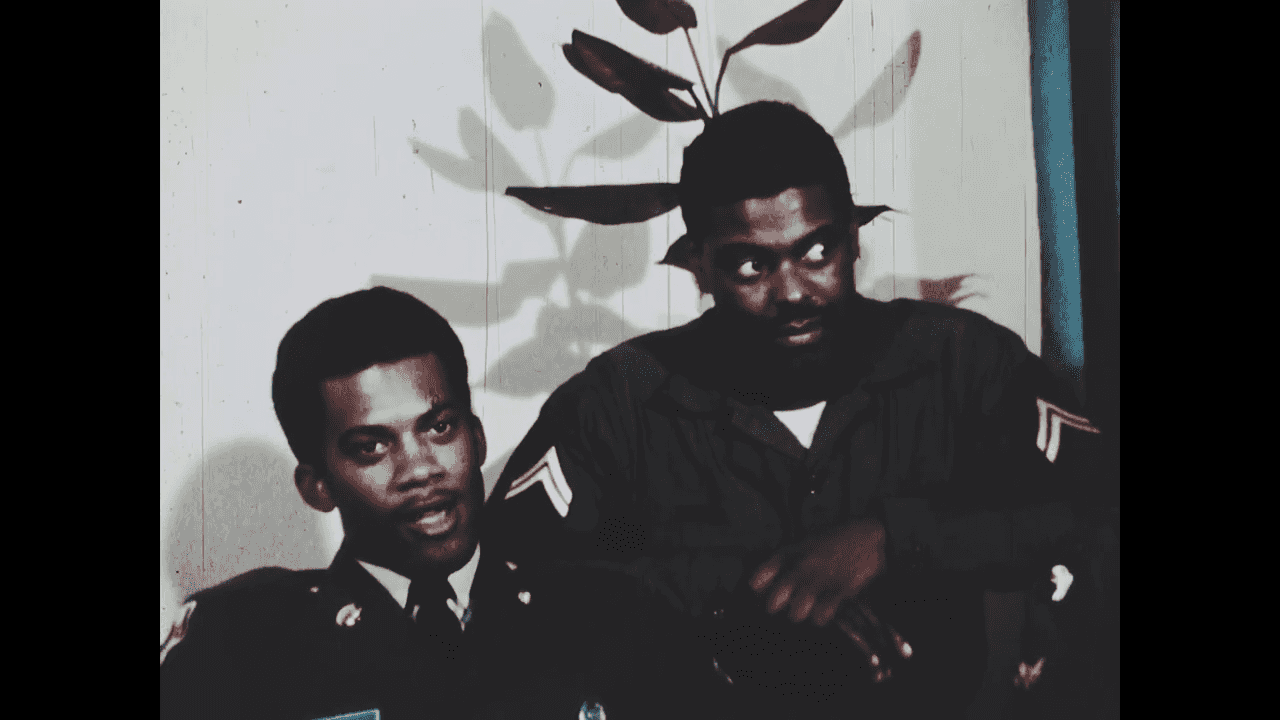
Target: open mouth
{"points": [[436, 519]]}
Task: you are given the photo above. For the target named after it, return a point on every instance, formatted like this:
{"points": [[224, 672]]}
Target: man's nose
{"points": [[419, 460], [790, 286]]}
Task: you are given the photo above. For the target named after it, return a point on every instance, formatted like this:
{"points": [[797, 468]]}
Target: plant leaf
{"points": [[602, 204], [646, 85], [799, 23], [659, 16], [863, 214], [631, 68], [680, 254], [752, 83]]}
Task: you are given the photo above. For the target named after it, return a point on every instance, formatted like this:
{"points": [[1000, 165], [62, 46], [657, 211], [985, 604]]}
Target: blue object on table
{"points": [[361, 715]]}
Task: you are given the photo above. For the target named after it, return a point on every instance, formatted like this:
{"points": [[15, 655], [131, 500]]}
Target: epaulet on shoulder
{"points": [[273, 578], [636, 365]]}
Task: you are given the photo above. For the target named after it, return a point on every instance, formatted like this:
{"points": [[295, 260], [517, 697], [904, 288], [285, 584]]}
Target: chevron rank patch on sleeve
{"points": [[546, 471], [1052, 418], [178, 630]]}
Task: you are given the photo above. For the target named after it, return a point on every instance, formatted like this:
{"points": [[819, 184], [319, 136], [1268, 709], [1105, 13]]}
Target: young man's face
{"points": [[402, 463], [782, 265]]}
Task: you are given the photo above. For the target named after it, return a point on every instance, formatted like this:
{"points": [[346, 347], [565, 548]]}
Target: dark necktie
{"points": [[435, 621]]}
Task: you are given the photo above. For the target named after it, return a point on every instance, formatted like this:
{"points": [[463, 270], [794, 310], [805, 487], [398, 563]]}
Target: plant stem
{"points": [[697, 102], [723, 64], [697, 64]]}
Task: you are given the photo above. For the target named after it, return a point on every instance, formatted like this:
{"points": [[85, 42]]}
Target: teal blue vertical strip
{"points": [[1055, 174]]}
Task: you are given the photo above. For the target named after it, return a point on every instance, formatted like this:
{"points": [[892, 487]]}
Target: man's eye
{"points": [[817, 253], [443, 427], [371, 448], [750, 269]]}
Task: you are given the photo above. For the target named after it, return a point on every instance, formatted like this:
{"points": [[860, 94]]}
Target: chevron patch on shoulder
{"points": [[178, 630], [546, 471], [1052, 418]]}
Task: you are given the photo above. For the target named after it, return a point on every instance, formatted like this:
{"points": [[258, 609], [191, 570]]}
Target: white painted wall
{"points": [[309, 149]]}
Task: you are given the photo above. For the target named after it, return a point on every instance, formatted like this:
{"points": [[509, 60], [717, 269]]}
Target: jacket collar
{"points": [[889, 347], [346, 573]]}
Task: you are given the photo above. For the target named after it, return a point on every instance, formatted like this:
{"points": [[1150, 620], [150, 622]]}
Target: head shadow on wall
{"points": [[236, 511]]}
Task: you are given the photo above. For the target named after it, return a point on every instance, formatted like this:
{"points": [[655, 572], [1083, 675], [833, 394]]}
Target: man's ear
{"points": [[481, 446], [314, 488]]}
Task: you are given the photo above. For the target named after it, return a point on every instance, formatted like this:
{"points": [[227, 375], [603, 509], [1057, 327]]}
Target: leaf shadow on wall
{"points": [[877, 104], [944, 291], [574, 326]]}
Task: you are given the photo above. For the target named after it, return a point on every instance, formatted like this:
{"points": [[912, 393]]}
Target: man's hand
{"points": [[815, 577]]}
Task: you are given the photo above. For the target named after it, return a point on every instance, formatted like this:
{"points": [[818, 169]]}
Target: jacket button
{"points": [[718, 613]]}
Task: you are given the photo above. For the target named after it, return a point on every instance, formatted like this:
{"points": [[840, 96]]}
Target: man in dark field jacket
{"points": [[825, 484], [414, 618]]}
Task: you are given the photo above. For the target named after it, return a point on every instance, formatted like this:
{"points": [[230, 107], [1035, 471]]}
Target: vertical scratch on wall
{"points": [[203, 460], [875, 106], [375, 146], [204, 349], [484, 74]]}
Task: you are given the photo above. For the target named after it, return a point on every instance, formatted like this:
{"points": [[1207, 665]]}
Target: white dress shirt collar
{"points": [[460, 581]]}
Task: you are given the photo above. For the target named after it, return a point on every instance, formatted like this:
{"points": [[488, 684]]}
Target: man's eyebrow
{"points": [[437, 410], [799, 245], [744, 248], [383, 431], [380, 431]]}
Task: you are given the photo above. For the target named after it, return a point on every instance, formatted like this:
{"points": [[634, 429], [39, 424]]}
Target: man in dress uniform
{"points": [[412, 619], [763, 464]]}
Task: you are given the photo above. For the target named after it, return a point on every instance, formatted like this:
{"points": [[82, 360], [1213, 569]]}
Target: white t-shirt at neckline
{"points": [[803, 423]]}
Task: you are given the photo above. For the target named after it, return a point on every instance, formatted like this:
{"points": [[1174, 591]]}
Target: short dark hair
{"points": [[757, 151], [345, 335]]}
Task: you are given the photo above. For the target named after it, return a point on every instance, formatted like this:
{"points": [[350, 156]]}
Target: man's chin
{"points": [[800, 350], [443, 555]]}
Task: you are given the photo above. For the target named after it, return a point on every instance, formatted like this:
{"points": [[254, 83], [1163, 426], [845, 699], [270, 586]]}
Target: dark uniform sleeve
{"points": [[568, 489], [197, 675], [203, 661], [1031, 509], [1026, 485]]}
